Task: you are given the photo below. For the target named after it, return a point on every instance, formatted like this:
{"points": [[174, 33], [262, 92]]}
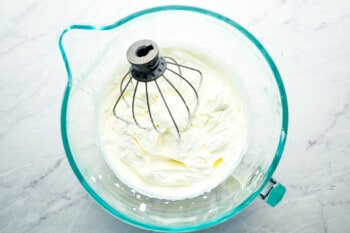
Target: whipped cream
{"points": [[160, 164]]}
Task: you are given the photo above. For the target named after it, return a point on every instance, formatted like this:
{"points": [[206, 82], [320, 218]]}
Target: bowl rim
{"points": [[64, 133]]}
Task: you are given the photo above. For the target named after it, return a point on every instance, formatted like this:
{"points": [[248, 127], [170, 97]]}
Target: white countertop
{"points": [[310, 43]]}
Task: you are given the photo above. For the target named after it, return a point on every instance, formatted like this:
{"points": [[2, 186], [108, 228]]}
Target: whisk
{"points": [[149, 68]]}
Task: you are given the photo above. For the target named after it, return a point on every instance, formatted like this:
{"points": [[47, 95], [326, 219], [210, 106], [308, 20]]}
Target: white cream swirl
{"points": [[160, 164]]}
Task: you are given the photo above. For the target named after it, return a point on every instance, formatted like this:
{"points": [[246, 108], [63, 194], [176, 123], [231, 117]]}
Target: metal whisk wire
{"points": [[147, 66]]}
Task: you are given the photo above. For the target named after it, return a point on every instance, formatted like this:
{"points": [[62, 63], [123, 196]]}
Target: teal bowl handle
{"points": [[273, 192]]}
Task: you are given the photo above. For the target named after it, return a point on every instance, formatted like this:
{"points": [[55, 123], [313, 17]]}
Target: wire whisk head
{"points": [[157, 92]]}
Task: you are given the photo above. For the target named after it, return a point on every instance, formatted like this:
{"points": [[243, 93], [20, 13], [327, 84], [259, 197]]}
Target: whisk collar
{"points": [[146, 64]]}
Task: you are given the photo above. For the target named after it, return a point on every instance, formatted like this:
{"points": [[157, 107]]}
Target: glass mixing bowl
{"points": [[92, 53]]}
